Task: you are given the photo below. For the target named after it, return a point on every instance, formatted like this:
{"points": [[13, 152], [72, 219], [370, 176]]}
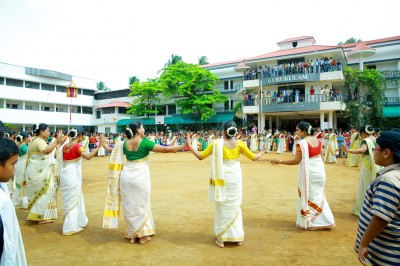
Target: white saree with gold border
{"points": [[73, 205], [19, 198], [367, 174], [331, 148], [226, 191], [41, 188], [135, 197], [313, 211]]}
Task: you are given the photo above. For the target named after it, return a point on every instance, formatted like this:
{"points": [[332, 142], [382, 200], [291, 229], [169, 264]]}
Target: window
{"points": [[79, 91], [87, 110], [32, 85], [87, 92], [108, 110], [231, 84], [162, 109], [61, 109], [121, 110], [98, 114], [226, 85], [107, 130], [31, 106], [171, 109], [290, 60], [370, 67], [111, 94], [48, 87], [1, 81], [14, 82], [12, 106], [61, 89]]}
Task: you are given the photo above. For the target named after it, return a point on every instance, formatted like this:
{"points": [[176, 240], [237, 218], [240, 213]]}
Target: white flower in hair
{"points": [[228, 131], [75, 131]]}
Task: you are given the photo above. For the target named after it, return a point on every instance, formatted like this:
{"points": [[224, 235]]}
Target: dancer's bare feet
{"points": [[239, 243], [144, 240], [46, 222], [219, 243], [132, 240]]}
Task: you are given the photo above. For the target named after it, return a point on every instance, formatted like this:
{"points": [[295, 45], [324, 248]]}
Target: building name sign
{"points": [[47, 73], [292, 78]]}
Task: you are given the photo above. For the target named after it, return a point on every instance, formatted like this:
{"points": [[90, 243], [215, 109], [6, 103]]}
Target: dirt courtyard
{"points": [[184, 219]]}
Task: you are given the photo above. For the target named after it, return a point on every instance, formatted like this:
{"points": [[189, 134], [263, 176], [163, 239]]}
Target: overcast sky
{"points": [[110, 41]]}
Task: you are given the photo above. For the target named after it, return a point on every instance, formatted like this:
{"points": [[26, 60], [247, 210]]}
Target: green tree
{"points": [[146, 97], [193, 87], [102, 87], [365, 106], [133, 79], [351, 40], [203, 60], [173, 60]]}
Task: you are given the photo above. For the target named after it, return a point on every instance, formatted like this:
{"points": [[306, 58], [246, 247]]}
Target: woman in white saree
{"points": [[331, 147], [226, 183], [19, 198], [368, 167], [313, 211], [73, 205], [132, 184], [40, 183]]}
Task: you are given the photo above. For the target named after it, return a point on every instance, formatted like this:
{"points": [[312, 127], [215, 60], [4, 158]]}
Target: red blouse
{"points": [[74, 153], [314, 151]]}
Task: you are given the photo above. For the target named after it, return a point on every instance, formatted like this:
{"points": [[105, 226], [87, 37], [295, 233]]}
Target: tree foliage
{"points": [[351, 40], [133, 79], [173, 60], [203, 60], [146, 97], [102, 87], [366, 94], [193, 88]]}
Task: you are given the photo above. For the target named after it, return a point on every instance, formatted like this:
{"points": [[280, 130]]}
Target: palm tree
{"points": [[100, 86], [133, 79], [203, 60], [174, 59]]}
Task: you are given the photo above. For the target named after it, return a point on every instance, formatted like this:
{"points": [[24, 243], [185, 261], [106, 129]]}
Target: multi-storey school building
{"points": [[303, 81], [276, 89]]}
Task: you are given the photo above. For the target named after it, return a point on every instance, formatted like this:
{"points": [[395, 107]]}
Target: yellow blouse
{"points": [[37, 146], [231, 154]]}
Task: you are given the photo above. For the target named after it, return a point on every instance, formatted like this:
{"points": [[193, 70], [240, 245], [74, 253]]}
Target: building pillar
{"points": [[55, 107], [23, 106], [330, 119], [334, 120], [270, 122], [322, 120], [262, 122], [40, 106], [277, 122]]}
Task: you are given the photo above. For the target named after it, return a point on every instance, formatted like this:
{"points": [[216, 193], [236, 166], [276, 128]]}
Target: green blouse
{"points": [[145, 147], [23, 149]]}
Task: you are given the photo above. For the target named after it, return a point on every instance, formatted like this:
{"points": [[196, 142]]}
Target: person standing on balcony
{"points": [[297, 97], [268, 99], [256, 98], [312, 94]]}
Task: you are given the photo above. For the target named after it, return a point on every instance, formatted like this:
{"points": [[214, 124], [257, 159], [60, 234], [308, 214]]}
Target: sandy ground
{"points": [[184, 220]]}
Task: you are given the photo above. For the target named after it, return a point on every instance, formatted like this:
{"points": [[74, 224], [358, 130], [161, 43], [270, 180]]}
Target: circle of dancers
{"points": [[34, 168]]}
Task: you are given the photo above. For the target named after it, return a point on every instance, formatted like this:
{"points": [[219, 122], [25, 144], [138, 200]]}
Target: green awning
{"points": [[180, 120], [391, 111], [220, 118], [144, 121]]}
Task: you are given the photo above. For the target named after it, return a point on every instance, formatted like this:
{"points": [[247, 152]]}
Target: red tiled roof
{"points": [[241, 66], [300, 50], [297, 39], [113, 104], [389, 39]]}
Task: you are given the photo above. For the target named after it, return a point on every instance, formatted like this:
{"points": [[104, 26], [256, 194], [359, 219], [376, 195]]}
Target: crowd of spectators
{"points": [[322, 65]]}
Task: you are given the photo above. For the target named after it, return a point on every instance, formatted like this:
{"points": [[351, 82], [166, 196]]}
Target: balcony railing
{"points": [[301, 98], [391, 74], [392, 101]]}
